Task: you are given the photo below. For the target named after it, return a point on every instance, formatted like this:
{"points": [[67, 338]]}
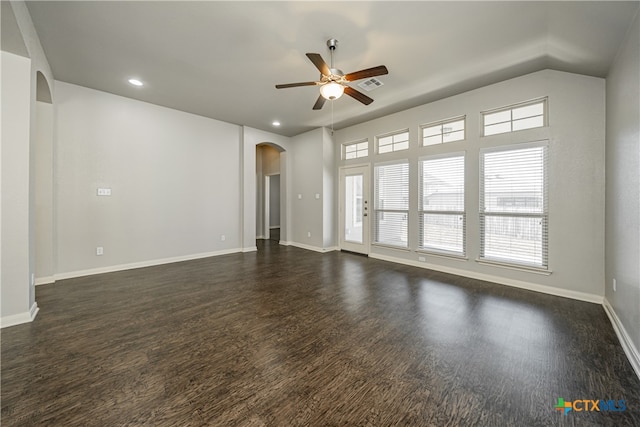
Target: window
{"points": [[443, 132], [513, 205], [441, 204], [394, 142], [391, 207], [355, 150], [517, 117]]}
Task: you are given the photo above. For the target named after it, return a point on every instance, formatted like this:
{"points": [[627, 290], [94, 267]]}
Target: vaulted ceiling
{"points": [[222, 59]]}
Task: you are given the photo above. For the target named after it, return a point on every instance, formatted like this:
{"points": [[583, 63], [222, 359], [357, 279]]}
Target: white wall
{"points": [[329, 191], [21, 32], [175, 181], [576, 200], [43, 171], [623, 186], [15, 274]]}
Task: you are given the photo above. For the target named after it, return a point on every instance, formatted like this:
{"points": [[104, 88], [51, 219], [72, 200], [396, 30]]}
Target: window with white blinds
{"points": [[441, 213], [513, 205], [391, 206]]}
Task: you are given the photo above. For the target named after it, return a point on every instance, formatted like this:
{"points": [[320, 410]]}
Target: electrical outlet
{"points": [[104, 191], [99, 250], [223, 237], [614, 285], [308, 234], [421, 258]]}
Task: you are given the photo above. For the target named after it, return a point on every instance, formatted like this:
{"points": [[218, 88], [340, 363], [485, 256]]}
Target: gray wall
{"points": [[15, 273], [274, 200], [576, 200], [623, 185], [313, 190], [44, 197], [174, 179], [19, 219]]}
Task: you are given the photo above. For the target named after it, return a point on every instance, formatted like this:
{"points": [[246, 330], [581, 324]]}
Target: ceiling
{"points": [[222, 59]]}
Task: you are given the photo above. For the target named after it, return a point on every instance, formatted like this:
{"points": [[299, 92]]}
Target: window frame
{"points": [[441, 123], [393, 143], [543, 215], [545, 116], [377, 210], [357, 150], [422, 211]]}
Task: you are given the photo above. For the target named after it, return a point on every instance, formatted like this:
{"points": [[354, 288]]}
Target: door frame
{"points": [[365, 168]]}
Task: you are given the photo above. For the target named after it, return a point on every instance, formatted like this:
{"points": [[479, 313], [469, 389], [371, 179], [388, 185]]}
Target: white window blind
{"points": [[517, 117], [441, 203], [443, 132], [513, 206], [355, 150], [391, 207]]}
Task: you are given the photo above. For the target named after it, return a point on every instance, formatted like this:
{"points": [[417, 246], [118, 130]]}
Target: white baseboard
{"points": [[311, 248], [250, 249], [261, 237], [271, 227], [581, 296], [625, 340], [20, 318], [45, 280], [131, 266]]}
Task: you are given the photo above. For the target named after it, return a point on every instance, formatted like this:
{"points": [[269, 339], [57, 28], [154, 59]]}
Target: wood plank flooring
{"points": [[288, 337]]}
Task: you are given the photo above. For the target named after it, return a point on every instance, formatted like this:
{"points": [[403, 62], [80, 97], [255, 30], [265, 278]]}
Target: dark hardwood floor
{"points": [[288, 337]]}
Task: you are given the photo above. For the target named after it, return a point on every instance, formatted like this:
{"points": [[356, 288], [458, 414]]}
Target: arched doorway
{"points": [[270, 191]]}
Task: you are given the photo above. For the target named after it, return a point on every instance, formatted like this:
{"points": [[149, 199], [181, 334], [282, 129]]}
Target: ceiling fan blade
{"points": [[357, 95], [284, 86], [319, 63], [369, 72], [319, 103]]}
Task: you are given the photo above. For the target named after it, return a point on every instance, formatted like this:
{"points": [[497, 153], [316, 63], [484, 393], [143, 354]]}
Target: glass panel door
{"points": [[354, 209]]}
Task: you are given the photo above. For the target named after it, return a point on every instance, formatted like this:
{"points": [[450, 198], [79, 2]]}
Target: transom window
{"points": [[443, 131], [393, 142], [516, 117], [355, 150]]}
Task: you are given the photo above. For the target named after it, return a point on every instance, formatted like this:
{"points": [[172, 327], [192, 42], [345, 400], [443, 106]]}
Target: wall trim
{"points": [[311, 248], [20, 318], [566, 293], [626, 342], [47, 280], [250, 249], [131, 266]]}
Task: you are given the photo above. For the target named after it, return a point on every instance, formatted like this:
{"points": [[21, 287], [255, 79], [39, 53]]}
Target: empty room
{"points": [[315, 213]]}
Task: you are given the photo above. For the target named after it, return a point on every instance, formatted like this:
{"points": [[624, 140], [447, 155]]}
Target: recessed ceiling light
{"points": [[275, 123], [135, 82]]}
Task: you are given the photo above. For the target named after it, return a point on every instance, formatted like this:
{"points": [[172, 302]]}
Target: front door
{"points": [[354, 209]]}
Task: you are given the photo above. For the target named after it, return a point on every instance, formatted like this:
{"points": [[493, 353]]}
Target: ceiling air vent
{"points": [[370, 84]]}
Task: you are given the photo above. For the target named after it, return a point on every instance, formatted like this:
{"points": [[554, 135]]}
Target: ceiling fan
{"points": [[333, 82]]}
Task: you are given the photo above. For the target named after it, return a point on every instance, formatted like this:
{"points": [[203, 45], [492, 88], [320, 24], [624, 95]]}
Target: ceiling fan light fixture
{"points": [[331, 90]]}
